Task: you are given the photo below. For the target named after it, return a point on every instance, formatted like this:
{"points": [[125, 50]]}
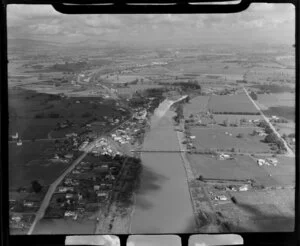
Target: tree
{"points": [[225, 122], [201, 178], [59, 200], [271, 138], [240, 135], [36, 186], [253, 95]]}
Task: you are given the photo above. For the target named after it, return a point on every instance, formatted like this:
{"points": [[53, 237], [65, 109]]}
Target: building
{"points": [[69, 156], [73, 134], [69, 195], [15, 136], [102, 195], [28, 203], [272, 161], [96, 187], [223, 156], [70, 213], [261, 162], [243, 188], [16, 218], [64, 189]]}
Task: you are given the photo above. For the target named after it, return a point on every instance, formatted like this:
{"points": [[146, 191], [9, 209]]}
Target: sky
{"points": [[260, 23]]}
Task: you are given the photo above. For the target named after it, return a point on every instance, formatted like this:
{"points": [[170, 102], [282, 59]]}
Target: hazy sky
{"points": [[272, 23]]}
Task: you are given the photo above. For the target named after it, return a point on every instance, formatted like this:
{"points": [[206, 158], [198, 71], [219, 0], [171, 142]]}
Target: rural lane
{"points": [[40, 213], [289, 151]]}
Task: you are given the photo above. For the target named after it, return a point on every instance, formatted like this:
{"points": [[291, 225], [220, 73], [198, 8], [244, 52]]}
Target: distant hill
{"points": [[30, 44]]}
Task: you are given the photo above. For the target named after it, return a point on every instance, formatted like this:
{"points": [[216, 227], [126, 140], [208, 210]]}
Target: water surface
{"points": [[163, 202]]}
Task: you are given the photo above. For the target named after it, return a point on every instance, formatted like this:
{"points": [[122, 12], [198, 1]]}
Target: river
{"points": [[163, 202]]}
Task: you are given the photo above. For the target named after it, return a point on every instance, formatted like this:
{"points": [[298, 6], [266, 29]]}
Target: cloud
{"points": [[260, 20]]}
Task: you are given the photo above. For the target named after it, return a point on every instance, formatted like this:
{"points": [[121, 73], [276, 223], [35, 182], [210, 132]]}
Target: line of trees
{"points": [[239, 113], [49, 115]]}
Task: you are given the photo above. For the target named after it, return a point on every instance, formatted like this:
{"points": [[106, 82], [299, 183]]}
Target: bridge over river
{"points": [[158, 151]]}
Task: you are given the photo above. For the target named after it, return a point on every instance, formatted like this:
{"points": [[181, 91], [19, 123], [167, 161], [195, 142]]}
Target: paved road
{"points": [[40, 213], [289, 151]]}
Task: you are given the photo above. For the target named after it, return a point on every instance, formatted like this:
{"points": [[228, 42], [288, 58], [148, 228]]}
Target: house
{"points": [[69, 156], [19, 142], [16, 218], [272, 161], [103, 195], [73, 134], [64, 189], [15, 136], [243, 188], [69, 195], [68, 181], [192, 137], [70, 213], [261, 162], [96, 187], [109, 177], [221, 198], [223, 156], [28, 203]]}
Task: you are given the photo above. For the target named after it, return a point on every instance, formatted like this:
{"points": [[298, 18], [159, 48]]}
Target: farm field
{"points": [[64, 226], [256, 212], [283, 111], [196, 105], [217, 139], [284, 173], [285, 128], [31, 162], [31, 128], [234, 104], [34, 115], [279, 99], [233, 118], [240, 168]]}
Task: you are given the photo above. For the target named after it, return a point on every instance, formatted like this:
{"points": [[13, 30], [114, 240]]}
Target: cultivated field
{"points": [[31, 162], [240, 168], [234, 118], [232, 104], [34, 115], [285, 112], [260, 211], [217, 139], [276, 100], [284, 173], [196, 105], [31, 128]]}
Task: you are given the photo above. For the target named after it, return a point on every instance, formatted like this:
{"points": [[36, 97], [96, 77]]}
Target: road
{"points": [[289, 151], [40, 213]]}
